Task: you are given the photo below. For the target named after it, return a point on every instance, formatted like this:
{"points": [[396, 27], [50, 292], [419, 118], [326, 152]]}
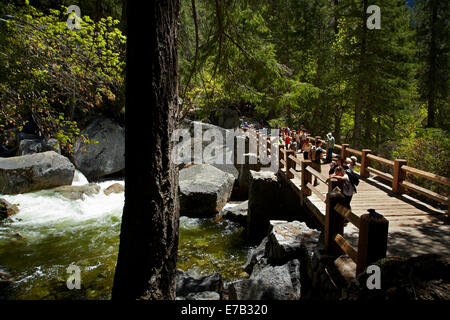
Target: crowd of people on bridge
{"points": [[340, 169]]}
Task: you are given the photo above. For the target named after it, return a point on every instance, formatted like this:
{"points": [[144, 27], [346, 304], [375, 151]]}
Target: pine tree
{"points": [[433, 35]]}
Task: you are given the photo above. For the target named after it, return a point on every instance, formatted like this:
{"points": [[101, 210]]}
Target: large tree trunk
{"points": [[146, 266]]}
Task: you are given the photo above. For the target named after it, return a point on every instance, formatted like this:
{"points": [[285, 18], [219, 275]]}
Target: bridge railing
{"points": [[373, 228], [397, 175]]}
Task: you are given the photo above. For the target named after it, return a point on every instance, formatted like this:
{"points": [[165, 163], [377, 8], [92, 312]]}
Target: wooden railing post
{"points": [[280, 156], [289, 163], [344, 152], [364, 172], [373, 238], [399, 176], [334, 224], [306, 177]]}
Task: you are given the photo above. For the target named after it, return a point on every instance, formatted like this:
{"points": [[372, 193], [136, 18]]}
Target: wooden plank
{"points": [[283, 162], [295, 173], [381, 160], [381, 174], [428, 175], [348, 214], [317, 174], [425, 192], [346, 247], [316, 192], [297, 160]]}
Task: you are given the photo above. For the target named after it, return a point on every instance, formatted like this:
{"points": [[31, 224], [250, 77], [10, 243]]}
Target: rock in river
{"points": [[269, 283], [106, 157], [114, 188], [34, 172], [204, 190], [78, 192], [237, 213], [7, 209], [187, 284], [288, 240]]}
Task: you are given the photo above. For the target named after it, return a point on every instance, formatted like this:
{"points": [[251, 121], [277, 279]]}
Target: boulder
{"points": [[187, 284], [263, 198], [115, 188], [7, 209], [269, 283], [255, 256], [105, 156], [30, 146], [425, 277], [204, 190], [204, 158], [35, 172], [290, 240], [242, 186], [237, 213], [77, 192]]}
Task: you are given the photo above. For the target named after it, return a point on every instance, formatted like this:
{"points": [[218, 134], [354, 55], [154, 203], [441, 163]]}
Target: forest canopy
{"points": [[285, 62]]}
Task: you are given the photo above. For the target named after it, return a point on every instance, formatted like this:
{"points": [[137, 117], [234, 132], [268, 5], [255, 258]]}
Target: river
{"points": [[51, 232]]}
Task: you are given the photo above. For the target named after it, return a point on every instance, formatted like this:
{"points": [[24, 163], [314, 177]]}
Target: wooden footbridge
{"points": [[398, 225]]}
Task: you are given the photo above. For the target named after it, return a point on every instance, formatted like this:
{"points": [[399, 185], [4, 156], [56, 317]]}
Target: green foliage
{"points": [[428, 150], [56, 77]]}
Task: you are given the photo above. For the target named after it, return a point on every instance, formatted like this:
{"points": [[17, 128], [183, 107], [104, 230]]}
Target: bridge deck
{"points": [[414, 226]]}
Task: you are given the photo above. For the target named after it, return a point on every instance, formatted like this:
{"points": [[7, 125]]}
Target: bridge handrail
{"points": [[333, 221], [398, 177]]}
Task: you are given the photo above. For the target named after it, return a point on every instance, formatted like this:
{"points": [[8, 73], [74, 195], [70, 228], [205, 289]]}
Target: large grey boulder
{"points": [[30, 146], [199, 138], [34, 172], [263, 203], [242, 186], [269, 283], [204, 190], [290, 240], [106, 157]]}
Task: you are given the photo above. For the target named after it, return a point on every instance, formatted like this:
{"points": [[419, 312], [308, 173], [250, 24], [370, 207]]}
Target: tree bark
{"points": [[146, 266]]}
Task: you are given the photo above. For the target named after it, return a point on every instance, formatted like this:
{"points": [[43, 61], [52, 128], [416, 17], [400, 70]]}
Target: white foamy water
{"points": [[49, 210], [79, 179]]}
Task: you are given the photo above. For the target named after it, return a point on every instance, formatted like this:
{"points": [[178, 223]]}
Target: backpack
{"points": [[353, 177], [315, 154]]}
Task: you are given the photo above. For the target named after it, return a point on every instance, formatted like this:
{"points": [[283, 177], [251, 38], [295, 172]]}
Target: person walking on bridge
{"points": [[331, 142], [315, 155]]}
